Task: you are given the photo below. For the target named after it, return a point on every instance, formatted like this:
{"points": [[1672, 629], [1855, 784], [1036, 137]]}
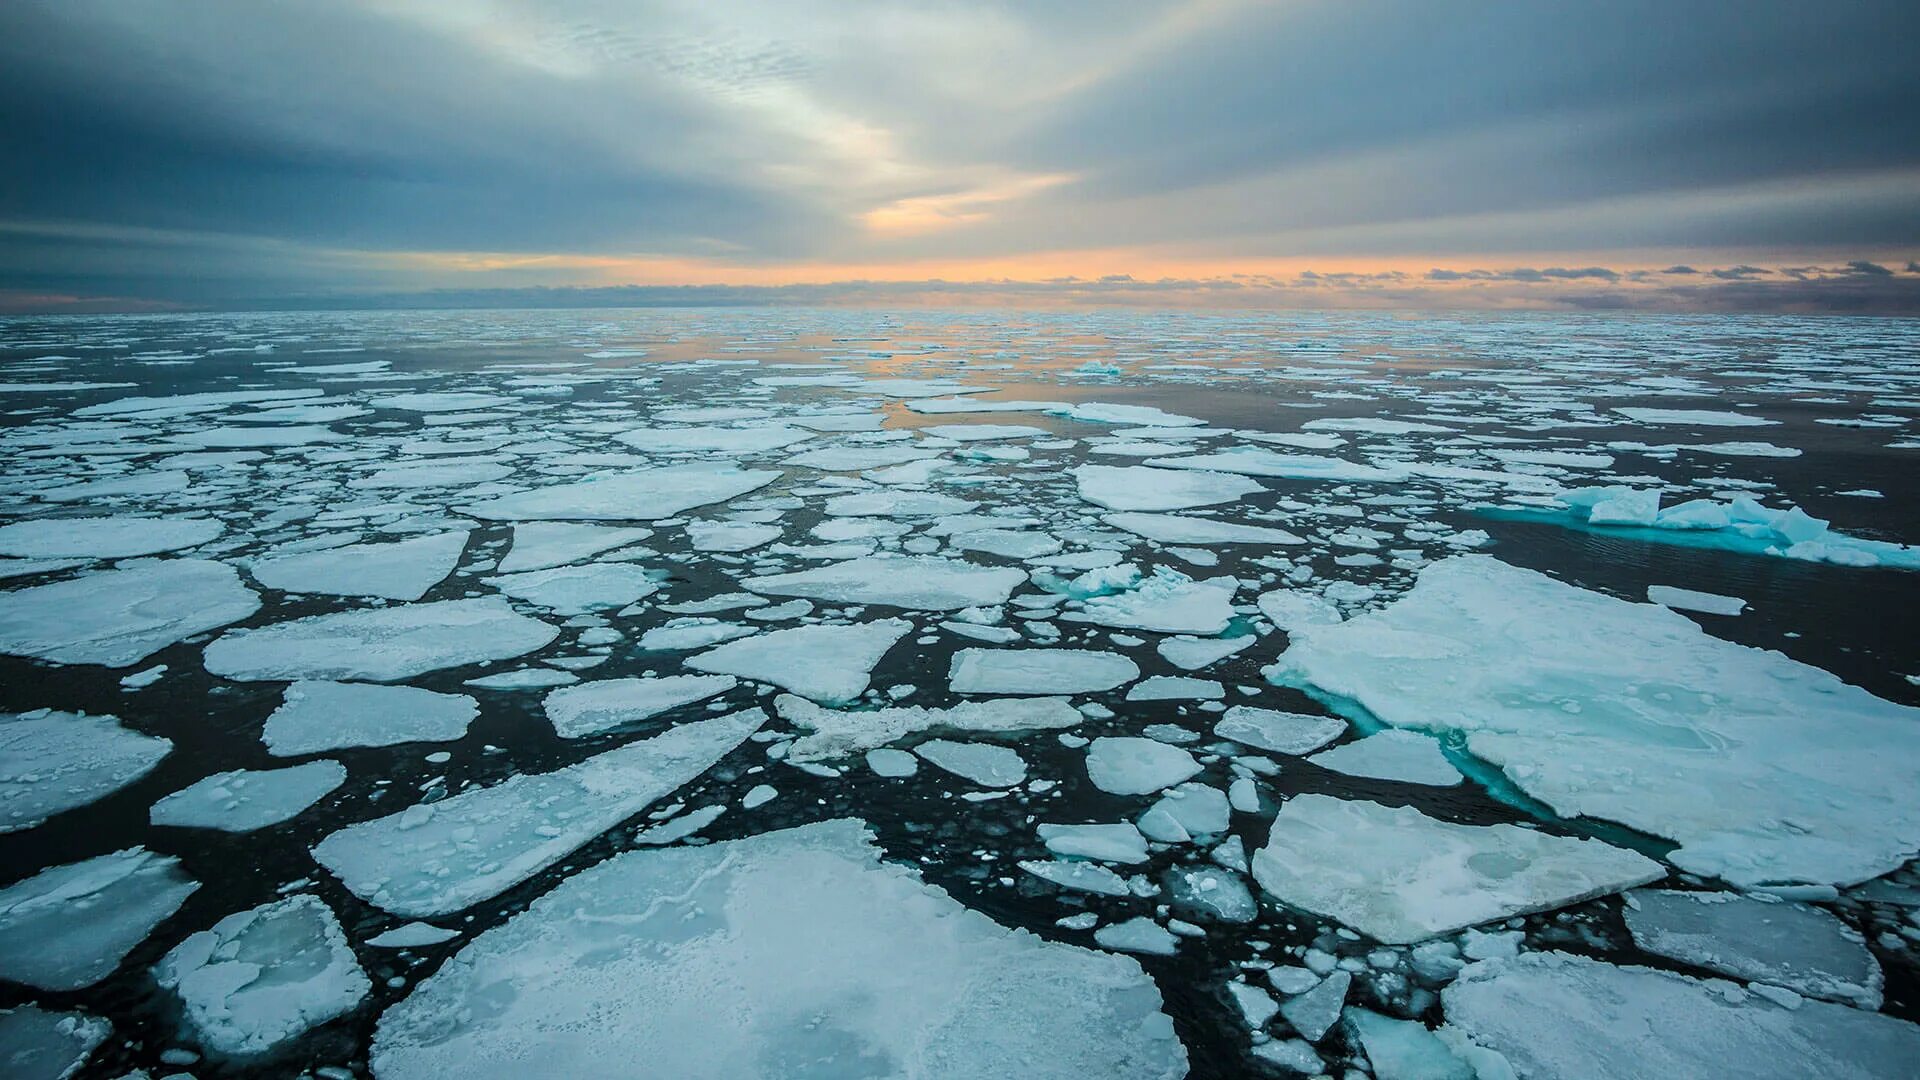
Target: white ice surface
{"points": [[314, 716], [1406, 756], [1182, 529], [833, 733], [243, 800], [830, 664], [633, 495], [1129, 765], [379, 644], [104, 537], [538, 545], [983, 763], [69, 926], [595, 707], [55, 761], [1038, 671], [916, 582], [404, 570], [1136, 487], [120, 617], [575, 590]]}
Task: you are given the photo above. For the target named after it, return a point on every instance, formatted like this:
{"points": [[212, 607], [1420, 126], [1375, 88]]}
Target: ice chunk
{"points": [[596, 707], [919, 582], [983, 763], [1797, 946], [1691, 600], [1405, 756], [1280, 732], [730, 535], [575, 590], [1128, 765], [634, 495], [104, 537], [1038, 671], [837, 732], [1079, 876], [1314, 1013], [1199, 811], [1254, 461], [68, 927], [783, 954], [244, 800], [1764, 769], [1175, 688], [411, 935], [692, 634], [1196, 653], [1209, 892], [1180, 529], [829, 664], [1168, 602], [261, 977], [1120, 843], [397, 571], [122, 616], [1553, 1014], [39, 1045], [1289, 609], [896, 504], [437, 858], [51, 762], [892, 763], [1404, 1049], [713, 440], [1136, 487], [1140, 935], [379, 645], [1696, 417], [540, 545], [317, 716], [1399, 876]]}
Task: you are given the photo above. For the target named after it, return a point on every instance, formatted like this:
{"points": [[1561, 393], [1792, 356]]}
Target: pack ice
{"points": [[380, 644], [121, 616], [104, 537], [314, 716], [243, 800], [437, 858], [793, 953], [1764, 769]]}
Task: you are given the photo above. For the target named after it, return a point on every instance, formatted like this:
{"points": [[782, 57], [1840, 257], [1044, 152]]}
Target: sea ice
{"points": [[632, 495], [397, 571], [790, 953], [244, 800], [728, 536], [263, 976], [437, 858], [1167, 602], [830, 664], [1404, 1049], [983, 763], [1399, 876], [1406, 756], [1180, 529], [1139, 935], [1128, 765], [836, 733], [1136, 487], [596, 707], [1079, 876], [120, 617], [1175, 688], [916, 582], [1038, 671], [1764, 769], [1555, 1014], [52, 762], [316, 716], [713, 440], [1691, 600], [39, 1045], [1192, 654], [1696, 417], [68, 927], [1803, 948], [411, 935], [540, 545], [381, 644], [1121, 843], [1314, 1013], [104, 537], [575, 590]]}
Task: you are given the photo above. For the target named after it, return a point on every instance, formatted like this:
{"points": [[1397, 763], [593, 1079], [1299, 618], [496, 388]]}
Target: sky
{"points": [[1670, 155]]}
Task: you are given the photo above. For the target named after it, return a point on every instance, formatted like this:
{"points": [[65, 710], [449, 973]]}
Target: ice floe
{"points": [[51, 762], [403, 570], [1136, 487], [827, 663], [244, 800], [833, 733], [1405, 756], [633, 495], [596, 707], [381, 644], [1757, 938], [316, 716], [916, 582], [1129, 765], [1038, 671], [122, 616], [104, 537], [69, 926], [540, 545]]}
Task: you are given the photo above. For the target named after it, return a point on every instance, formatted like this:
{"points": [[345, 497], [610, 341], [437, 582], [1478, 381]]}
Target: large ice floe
{"points": [[36, 1044], [1399, 876], [591, 708], [1038, 671], [1763, 769], [122, 616], [51, 762], [1136, 487], [828, 663], [315, 716], [437, 858], [69, 926], [258, 978], [1740, 524], [1559, 1015], [634, 495], [792, 953], [1758, 938], [242, 800], [404, 570], [104, 537], [918, 582], [833, 733], [379, 644]]}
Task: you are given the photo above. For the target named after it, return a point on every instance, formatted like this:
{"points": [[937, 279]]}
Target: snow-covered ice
{"points": [[574, 590], [1280, 732], [983, 763], [539, 545], [633, 495], [1406, 756], [1038, 671], [1399, 876], [403, 570], [1129, 765], [1136, 487], [833, 733], [917, 582], [1185, 529], [104, 537]]}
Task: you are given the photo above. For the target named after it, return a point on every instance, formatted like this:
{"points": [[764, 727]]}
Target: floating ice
{"points": [[1186, 812], [1254, 461], [730, 535], [261, 977], [1121, 843], [1136, 487], [634, 495], [829, 664], [896, 504], [892, 763], [1797, 946], [1211, 893], [539, 545], [778, 955], [1180, 529], [104, 537], [1314, 1013], [244, 800], [1405, 1049], [39, 1045], [122, 616], [1038, 671], [575, 590], [1405, 756], [1289, 609], [917, 582], [440, 401], [835, 733], [1696, 417], [1080, 876], [1168, 602], [181, 404], [983, 763], [318, 716], [596, 707], [1691, 600], [1399, 876], [411, 935], [1140, 935], [1193, 654], [1175, 688], [713, 440], [985, 432], [68, 927], [398, 571], [437, 858], [1554, 1014], [379, 645], [1127, 765], [52, 762], [692, 634], [1762, 768]]}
